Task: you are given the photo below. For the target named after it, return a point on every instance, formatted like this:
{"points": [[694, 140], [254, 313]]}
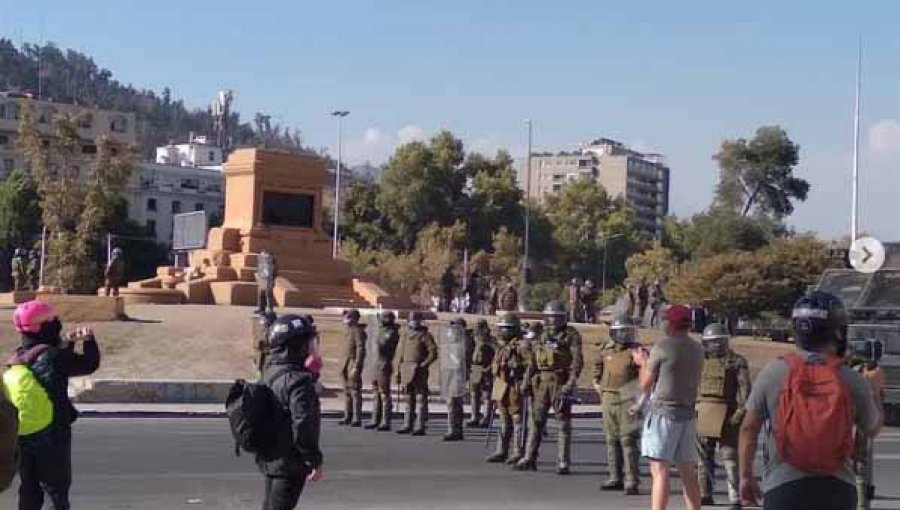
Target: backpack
{"points": [[9, 434], [252, 411], [814, 431], [28, 395]]}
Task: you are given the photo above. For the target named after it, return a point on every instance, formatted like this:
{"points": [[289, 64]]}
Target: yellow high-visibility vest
{"points": [[30, 398]]}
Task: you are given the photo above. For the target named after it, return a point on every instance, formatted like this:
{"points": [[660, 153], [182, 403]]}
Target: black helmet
{"points": [[19, 252], [509, 325], [555, 315], [290, 331], [387, 318], [482, 325], [459, 321], [622, 331], [819, 319], [715, 339], [535, 329], [267, 318], [351, 316], [416, 320]]}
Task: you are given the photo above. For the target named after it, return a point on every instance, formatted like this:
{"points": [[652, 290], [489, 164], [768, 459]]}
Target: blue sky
{"points": [[673, 77]]}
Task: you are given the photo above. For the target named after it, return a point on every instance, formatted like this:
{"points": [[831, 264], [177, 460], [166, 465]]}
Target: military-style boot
{"points": [[388, 414], [475, 418], [517, 453], [376, 411], [410, 414], [357, 409], [529, 461], [422, 415], [348, 409], [631, 455], [564, 447], [488, 413], [504, 437]]}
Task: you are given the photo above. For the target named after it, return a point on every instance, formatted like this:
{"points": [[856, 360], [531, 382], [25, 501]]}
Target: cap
{"points": [[678, 315]]}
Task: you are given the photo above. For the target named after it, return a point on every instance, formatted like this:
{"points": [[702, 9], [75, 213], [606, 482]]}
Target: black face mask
{"points": [[50, 331]]}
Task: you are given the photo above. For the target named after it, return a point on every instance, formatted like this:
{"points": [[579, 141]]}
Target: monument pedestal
{"points": [[273, 202]]}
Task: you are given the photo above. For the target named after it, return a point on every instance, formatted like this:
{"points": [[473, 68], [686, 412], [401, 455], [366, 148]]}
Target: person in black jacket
{"points": [[291, 375], [46, 456]]}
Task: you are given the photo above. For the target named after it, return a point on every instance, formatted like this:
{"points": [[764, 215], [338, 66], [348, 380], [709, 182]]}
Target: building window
{"points": [[198, 206], [190, 183], [8, 165], [151, 227], [151, 204], [176, 206], [9, 110], [212, 156], [89, 149], [4, 140], [46, 115], [118, 125], [86, 121]]}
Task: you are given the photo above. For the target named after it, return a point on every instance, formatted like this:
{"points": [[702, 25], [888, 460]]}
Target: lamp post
{"points": [[523, 294], [606, 240], [340, 114]]}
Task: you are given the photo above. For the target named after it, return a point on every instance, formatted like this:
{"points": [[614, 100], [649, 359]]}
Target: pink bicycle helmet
{"points": [[29, 316]]}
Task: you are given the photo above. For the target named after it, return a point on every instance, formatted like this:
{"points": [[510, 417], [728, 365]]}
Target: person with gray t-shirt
{"points": [[671, 374], [820, 331]]}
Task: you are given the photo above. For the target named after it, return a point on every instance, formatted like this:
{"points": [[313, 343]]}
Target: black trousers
{"points": [[283, 493], [821, 493], [265, 299], [45, 467]]}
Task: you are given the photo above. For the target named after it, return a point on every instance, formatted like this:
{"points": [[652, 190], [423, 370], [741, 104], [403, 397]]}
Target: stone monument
{"points": [[273, 202]]}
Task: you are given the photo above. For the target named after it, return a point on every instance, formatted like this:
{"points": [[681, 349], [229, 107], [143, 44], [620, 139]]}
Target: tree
{"points": [[496, 199], [721, 232], [20, 214], [758, 174], [362, 221], [655, 263], [74, 204]]}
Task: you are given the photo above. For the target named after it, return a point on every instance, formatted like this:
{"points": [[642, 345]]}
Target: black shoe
{"points": [[525, 465], [484, 424], [473, 424], [514, 459], [419, 432], [371, 426], [563, 470], [345, 421], [497, 458], [870, 492], [707, 501], [453, 437], [383, 428], [632, 490], [404, 430], [612, 485], [356, 424]]}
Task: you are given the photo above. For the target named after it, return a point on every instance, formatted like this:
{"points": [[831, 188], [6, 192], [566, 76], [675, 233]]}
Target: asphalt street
{"points": [[165, 464]]}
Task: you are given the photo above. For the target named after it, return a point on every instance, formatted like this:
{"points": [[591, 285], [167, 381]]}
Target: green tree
{"points": [[656, 262], [20, 215], [362, 221], [759, 174], [496, 199]]}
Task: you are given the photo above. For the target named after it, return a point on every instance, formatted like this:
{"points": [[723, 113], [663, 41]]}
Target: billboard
{"points": [[189, 231]]}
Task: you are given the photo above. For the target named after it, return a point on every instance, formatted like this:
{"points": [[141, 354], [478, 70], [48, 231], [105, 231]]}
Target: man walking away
{"points": [[291, 375], [37, 383], [418, 352], [672, 374], [809, 435], [351, 372], [724, 388]]}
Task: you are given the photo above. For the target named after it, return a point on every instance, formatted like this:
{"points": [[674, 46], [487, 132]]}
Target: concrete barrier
{"points": [[148, 391]]}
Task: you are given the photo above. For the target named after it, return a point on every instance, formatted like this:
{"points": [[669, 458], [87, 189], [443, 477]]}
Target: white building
{"points": [[196, 153], [158, 192]]}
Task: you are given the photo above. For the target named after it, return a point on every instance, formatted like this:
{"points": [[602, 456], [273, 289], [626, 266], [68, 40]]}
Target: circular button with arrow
{"points": [[866, 255]]}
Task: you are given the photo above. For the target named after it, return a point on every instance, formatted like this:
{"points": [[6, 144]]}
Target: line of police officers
{"points": [[529, 370]]}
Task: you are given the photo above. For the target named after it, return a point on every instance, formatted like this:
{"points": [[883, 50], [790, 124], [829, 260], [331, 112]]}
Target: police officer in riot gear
{"points": [[19, 270], [724, 388], [387, 340], [351, 371], [510, 387], [615, 379], [554, 367], [418, 351], [480, 376]]}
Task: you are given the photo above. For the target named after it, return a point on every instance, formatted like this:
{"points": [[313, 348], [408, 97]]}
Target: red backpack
{"points": [[814, 432]]}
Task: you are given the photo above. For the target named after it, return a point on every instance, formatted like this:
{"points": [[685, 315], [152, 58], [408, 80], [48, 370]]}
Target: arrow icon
{"points": [[867, 253]]}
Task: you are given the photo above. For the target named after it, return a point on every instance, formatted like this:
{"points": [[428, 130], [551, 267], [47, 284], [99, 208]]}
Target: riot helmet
{"points": [[535, 329], [555, 316], [117, 252], [291, 332], [416, 321], [387, 318], [351, 317], [622, 331], [819, 319], [509, 326], [19, 252], [459, 321], [715, 339], [482, 326]]}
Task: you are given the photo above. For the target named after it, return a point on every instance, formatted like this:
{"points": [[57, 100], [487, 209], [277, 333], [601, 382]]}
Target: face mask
{"points": [[313, 362]]}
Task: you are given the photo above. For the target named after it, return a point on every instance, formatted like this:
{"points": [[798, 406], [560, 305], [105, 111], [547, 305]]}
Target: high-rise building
{"points": [[641, 179], [92, 124]]}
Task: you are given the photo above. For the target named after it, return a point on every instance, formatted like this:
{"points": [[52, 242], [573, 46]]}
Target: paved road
{"points": [[165, 464]]}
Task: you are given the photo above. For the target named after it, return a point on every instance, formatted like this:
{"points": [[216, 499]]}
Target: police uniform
{"points": [[115, 274], [480, 376], [509, 368], [417, 353], [556, 363], [386, 342], [723, 392], [19, 271], [351, 373], [614, 371]]}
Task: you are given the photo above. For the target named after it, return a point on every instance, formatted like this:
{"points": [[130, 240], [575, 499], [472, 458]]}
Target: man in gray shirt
{"points": [[671, 374], [820, 331]]}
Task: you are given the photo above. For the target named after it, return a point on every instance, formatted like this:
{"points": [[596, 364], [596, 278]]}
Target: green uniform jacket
{"points": [[115, 272], [483, 353], [614, 367], [354, 354], [388, 339], [19, 270], [511, 373], [561, 353], [732, 388], [418, 351]]}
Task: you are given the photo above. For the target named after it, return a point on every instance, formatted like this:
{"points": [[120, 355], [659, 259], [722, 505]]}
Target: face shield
{"points": [[624, 335], [556, 322], [715, 346]]}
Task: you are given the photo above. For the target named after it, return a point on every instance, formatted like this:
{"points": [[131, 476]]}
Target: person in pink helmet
{"points": [[45, 468]]}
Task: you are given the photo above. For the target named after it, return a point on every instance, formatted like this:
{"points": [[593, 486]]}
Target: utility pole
{"points": [[340, 114], [523, 286], [854, 213]]}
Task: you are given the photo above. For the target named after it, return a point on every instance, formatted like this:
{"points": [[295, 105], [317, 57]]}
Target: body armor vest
{"points": [[713, 381], [618, 369]]}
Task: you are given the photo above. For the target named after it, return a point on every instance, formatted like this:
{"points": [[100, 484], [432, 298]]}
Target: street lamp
{"points": [[340, 114], [606, 240], [523, 294]]}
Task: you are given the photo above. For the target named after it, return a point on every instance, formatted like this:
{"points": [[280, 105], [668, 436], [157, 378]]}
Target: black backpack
{"points": [[253, 414]]}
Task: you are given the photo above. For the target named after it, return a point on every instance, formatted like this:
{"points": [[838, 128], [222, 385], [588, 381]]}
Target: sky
{"points": [[669, 77]]}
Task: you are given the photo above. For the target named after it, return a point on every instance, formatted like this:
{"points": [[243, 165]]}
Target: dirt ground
{"points": [[214, 342]]}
